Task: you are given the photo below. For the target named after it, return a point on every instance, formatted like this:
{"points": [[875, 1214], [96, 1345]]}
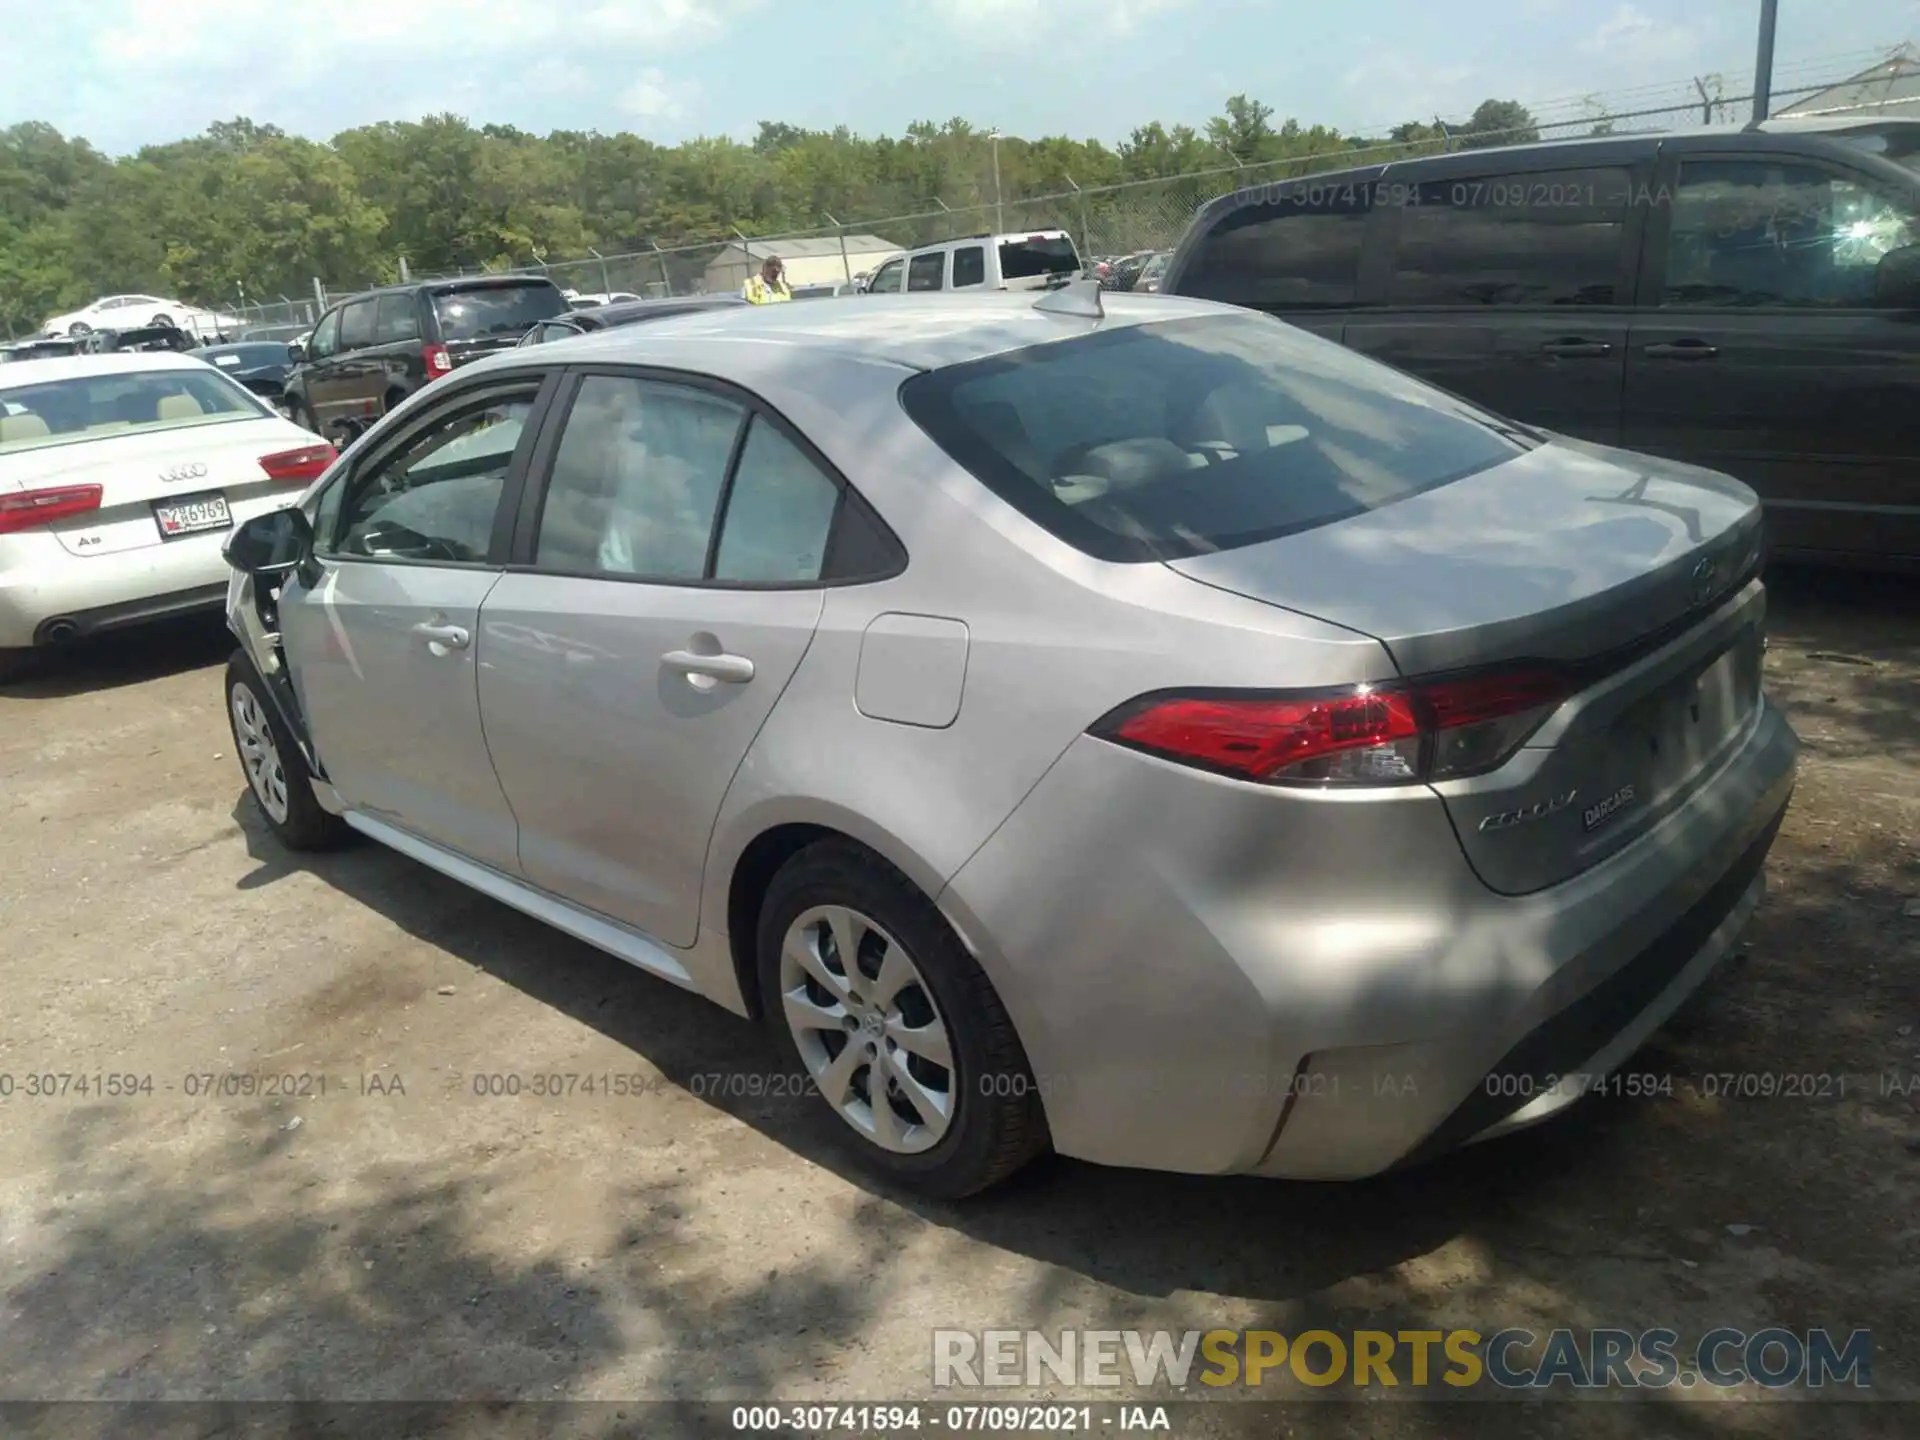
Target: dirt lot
{"points": [[401, 1237]]}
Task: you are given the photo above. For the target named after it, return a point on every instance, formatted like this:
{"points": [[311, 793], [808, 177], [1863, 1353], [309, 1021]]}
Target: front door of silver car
{"points": [[382, 642]]}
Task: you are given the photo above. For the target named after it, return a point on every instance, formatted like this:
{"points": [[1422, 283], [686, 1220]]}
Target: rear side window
{"points": [[1540, 239], [396, 321], [357, 325], [1038, 255], [1162, 441], [969, 266], [493, 312], [924, 271], [1302, 250]]}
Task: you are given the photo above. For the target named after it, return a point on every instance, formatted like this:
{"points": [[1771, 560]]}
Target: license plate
{"points": [[231, 361], [191, 515]]}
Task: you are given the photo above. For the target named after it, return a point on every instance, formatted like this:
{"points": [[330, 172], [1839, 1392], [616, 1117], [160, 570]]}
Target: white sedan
{"points": [[129, 312], [120, 477]]}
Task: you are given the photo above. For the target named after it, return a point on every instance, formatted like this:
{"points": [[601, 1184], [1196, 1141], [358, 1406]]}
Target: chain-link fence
{"points": [[1105, 221]]}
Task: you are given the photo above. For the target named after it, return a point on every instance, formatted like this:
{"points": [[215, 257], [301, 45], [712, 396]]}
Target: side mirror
{"points": [[296, 353], [276, 543], [1896, 279]]}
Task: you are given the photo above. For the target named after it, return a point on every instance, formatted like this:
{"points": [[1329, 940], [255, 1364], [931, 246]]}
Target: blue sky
{"points": [[131, 72]]}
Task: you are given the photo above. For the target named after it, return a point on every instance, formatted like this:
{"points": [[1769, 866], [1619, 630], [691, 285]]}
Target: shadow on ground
{"points": [[121, 658]]}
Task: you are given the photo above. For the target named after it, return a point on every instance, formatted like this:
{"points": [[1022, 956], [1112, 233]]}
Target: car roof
{"points": [[445, 283], [911, 332], [113, 362], [622, 311]]}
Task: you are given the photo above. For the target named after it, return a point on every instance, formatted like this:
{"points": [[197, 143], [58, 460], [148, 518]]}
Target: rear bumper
{"points": [[43, 585], [1317, 986]]}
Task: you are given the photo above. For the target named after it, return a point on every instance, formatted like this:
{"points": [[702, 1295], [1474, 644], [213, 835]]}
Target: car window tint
{"points": [[1540, 239], [326, 336], [1037, 255], [356, 325], [924, 272], [779, 512], [969, 266], [1759, 232], [396, 320], [1300, 250], [489, 312], [886, 280], [1172, 439], [436, 498], [636, 480]]}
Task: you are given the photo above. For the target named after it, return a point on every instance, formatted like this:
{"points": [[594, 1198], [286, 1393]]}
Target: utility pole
{"points": [[1763, 61], [999, 215]]}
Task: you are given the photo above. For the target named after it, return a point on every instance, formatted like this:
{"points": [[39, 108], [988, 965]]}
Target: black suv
{"points": [[1747, 300], [371, 352]]}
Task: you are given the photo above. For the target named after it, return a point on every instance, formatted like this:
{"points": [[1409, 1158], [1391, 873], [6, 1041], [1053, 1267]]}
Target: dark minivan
{"points": [[371, 352], [1746, 300]]}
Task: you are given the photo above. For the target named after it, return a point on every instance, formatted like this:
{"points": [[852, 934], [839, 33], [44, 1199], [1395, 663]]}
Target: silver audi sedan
{"points": [[1125, 725]]}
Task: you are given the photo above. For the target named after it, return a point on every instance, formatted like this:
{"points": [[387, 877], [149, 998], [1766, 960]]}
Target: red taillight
{"points": [[42, 507], [1370, 735], [309, 462], [439, 362]]}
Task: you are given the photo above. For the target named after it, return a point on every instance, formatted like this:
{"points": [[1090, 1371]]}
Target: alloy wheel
{"points": [[868, 1030], [259, 756]]}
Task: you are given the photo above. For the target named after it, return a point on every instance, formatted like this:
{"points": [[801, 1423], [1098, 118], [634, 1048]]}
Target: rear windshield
{"points": [[246, 356], [1163, 441], [496, 311], [1038, 255], [92, 407]]}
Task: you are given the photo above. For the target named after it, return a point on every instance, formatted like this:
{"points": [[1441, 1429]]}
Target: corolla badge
{"points": [[1704, 580], [1507, 819], [193, 471]]}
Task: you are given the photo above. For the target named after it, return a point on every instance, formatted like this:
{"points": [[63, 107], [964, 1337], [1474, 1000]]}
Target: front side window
{"points": [[969, 266], [1764, 232], [886, 280], [326, 336], [1300, 251], [1168, 440], [925, 272], [1552, 238], [636, 480], [94, 407], [434, 499], [357, 325]]}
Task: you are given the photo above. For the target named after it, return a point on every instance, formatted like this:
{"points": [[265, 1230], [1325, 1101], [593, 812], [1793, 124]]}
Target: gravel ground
{"points": [[400, 1237]]}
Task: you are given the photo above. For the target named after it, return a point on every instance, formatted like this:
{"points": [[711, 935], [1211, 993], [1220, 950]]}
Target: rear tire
{"points": [[270, 763], [909, 977], [164, 321], [301, 416], [79, 328]]}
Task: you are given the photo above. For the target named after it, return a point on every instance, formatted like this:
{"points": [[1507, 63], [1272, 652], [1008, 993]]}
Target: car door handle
{"points": [[1576, 349], [1682, 350], [454, 637], [734, 669]]}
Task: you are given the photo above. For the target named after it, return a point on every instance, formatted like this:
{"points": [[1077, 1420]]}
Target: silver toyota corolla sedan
{"points": [[1127, 725]]}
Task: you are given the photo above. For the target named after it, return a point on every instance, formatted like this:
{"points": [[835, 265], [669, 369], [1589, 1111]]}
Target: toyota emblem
{"points": [[197, 470], [1706, 575]]}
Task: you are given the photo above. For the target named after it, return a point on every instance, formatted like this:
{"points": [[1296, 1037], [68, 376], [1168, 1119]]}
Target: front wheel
{"points": [[164, 322], [866, 986], [270, 760]]}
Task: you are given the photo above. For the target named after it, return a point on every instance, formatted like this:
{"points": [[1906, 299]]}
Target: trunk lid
{"points": [[141, 468], [1636, 574]]}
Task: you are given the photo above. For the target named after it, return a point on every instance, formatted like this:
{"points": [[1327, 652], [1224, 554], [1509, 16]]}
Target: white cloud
{"points": [[653, 96], [1632, 34], [994, 22]]}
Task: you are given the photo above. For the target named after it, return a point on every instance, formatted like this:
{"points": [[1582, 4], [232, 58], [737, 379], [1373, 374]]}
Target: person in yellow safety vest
{"points": [[769, 287]]}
